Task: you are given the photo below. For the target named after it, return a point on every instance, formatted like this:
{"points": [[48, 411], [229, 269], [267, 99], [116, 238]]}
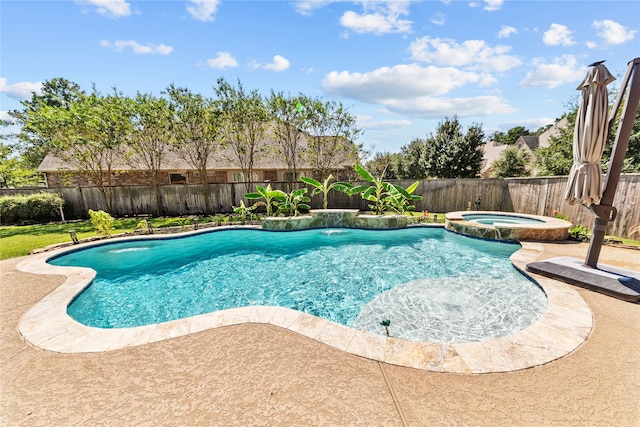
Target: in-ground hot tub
{"points": [[507, 226]]}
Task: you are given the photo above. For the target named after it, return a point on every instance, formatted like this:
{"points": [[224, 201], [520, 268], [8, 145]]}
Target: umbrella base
{"points": [[613, 281]]}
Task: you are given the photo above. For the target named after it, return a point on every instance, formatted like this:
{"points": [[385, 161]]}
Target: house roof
{"points": [[528, 142], [552, 131], [492, 151], [531, 143]]}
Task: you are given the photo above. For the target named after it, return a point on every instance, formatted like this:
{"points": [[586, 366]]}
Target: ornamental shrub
{"points": [[30, 208], [102, 221]]}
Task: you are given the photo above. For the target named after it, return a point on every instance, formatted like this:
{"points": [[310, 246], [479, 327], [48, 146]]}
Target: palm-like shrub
{"points": [[385, 196], [326, 186], [269, 195]]}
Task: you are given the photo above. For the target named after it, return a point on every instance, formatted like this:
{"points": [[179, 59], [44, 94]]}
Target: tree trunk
{"points": [[158, 194], [206, 190]]}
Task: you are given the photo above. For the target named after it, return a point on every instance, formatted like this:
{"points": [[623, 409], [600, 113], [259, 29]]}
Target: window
{"points": [[238, 177], [217, 177], [177, 178], [270, 176]]}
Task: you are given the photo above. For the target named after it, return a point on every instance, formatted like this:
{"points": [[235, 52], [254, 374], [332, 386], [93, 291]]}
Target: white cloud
{"points": [[434, 108], [306, 7], [379, 17], [222, 60], [203, 10], [439, 19], [20, 90], [564, 69], [109, 8], [557, 35], [506, 31], [475, 54], [369, 123], [4, 115], [592, 45], [279, 63], [415, 91], [137, 48], [398, 82], [492, 5], [612, 32]]}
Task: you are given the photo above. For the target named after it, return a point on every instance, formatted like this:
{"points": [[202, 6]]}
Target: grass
{"points": [[20, 240]]}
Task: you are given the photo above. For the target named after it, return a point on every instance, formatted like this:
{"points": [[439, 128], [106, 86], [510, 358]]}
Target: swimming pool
{"points": [[431, 284], [501, 219]]}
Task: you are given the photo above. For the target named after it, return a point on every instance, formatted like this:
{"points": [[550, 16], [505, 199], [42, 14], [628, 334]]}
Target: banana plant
{"points": [[325, 187], [291, 204], [383, 195], [245, 211], [401, 199], [378, 192], [269, 195]]}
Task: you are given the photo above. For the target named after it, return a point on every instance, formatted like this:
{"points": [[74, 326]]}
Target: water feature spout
{"points": [[333, 219]]}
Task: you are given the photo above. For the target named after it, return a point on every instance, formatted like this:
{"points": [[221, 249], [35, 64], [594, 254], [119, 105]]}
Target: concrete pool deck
{"points": [[565, 325], [261, 374]]}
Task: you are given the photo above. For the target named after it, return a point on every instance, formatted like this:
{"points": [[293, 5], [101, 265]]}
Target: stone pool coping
{"points": [[562, 329], [551, 229]]}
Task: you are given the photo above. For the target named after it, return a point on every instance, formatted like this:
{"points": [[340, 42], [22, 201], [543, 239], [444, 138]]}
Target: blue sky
{"points": [[399, 66]]}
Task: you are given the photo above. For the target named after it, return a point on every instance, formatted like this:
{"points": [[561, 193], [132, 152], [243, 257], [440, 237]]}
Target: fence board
{"points": [[539, 196]]}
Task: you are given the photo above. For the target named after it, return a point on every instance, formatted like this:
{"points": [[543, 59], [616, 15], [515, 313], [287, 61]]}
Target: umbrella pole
{"points": [[605, 212]]}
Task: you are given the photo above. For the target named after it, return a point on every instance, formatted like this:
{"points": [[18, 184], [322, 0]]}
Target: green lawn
{"points": [[20, 240]]}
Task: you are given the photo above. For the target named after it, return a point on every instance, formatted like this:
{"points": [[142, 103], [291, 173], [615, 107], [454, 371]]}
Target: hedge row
{"points": [[31, 208]]}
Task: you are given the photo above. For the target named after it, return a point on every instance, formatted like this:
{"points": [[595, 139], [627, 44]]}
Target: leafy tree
{"points": [[411, 165], [512, 162], [384, 163], [514, 133], [450, 154], [511, 136], [542, 129], [245, 118], [36, 135], [150, 139], [557, 158], [332, 130], [498, 136], [195, 132], [13, 172], [88, 134], [289, 116], [632, 158]]}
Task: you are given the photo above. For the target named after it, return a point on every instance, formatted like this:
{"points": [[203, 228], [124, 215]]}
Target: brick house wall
{"points": [[63, 179]]}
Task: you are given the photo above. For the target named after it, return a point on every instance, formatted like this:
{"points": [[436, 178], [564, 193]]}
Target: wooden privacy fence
{"points": [[539, 196]]}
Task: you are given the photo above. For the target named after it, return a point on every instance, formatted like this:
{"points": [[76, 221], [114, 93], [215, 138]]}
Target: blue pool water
{"points": [[489, 219], [423, 279]]}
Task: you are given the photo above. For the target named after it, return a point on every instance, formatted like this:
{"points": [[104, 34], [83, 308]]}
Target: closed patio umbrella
{"points": [[589, 138]]}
